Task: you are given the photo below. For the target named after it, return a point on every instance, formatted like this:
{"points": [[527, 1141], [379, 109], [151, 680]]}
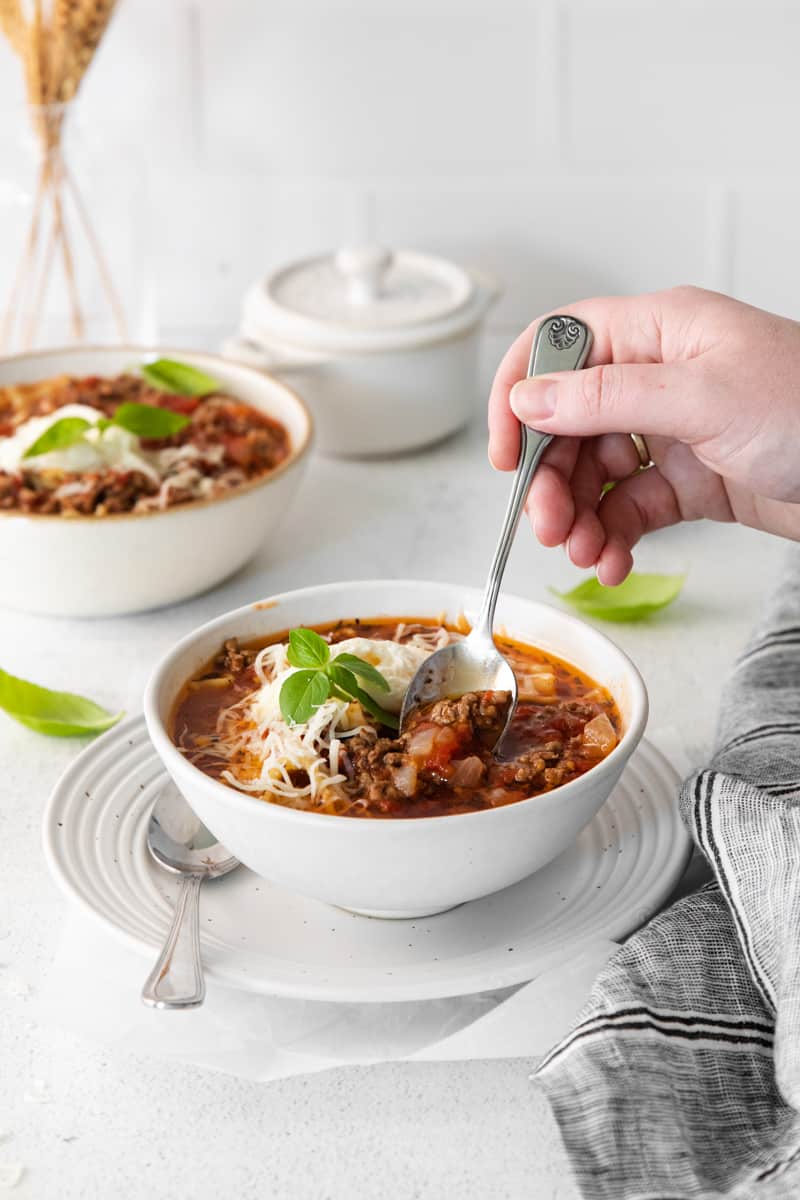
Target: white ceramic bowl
{"points": [[384, 346], [404, 867], [102, 566]]}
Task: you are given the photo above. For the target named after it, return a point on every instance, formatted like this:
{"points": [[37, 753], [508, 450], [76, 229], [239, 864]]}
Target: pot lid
{"points": [[365, 296]]}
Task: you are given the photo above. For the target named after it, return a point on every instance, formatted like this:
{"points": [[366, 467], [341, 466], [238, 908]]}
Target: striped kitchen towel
{"points": [[682, 1076]]}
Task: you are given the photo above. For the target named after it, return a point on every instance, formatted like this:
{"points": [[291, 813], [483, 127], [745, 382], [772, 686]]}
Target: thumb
{"points": [[656, 398]]}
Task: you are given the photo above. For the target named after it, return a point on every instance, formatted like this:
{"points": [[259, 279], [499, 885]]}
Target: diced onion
{"points": [[599, 732], [405, 778], [467, 772], [445, 739], [537, 685], [422, 741]]}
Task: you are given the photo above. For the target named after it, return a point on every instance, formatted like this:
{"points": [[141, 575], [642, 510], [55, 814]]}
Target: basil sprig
{"points": [[319, 677], [145, 420], [633, 600], [58, 436], [60, 714], [179, 378]]}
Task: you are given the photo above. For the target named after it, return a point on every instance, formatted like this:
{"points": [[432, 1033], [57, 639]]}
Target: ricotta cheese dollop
{"points": [[97, 450]]}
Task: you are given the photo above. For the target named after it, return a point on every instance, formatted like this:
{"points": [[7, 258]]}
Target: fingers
{"points": [[633, 508], [600, 461], [565, 504], [666, 399], [550, 505]]}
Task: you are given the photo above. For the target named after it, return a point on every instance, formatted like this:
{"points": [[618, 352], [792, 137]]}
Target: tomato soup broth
{"points": [[344, 761]]}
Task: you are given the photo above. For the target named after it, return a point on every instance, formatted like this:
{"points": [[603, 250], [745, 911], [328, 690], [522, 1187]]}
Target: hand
{"points": [[713, 384]]}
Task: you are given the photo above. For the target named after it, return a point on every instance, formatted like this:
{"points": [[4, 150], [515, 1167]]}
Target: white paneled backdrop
{"points": [[569, 146]]}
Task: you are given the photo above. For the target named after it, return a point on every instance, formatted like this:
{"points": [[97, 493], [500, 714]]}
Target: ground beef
{"points": [[480, 710], [232, 443], [76, 495], [528, 768], [233, 658], [379, 768], [121, 493], [376, 766], [8, 491], [248, 443], [368, 762], [555, 776]]}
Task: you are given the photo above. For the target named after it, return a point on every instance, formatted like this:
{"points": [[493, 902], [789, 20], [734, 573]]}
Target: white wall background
{"points": [[571, 146]]}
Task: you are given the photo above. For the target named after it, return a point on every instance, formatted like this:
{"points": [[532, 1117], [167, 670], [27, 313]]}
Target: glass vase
{"points": [[71, 267]]}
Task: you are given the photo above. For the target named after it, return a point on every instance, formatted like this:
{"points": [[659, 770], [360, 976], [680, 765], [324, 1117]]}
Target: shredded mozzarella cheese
{"points": [[265, 755]]}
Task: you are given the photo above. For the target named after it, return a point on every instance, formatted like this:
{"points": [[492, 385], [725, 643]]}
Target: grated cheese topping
{"points": [[303, 762]]}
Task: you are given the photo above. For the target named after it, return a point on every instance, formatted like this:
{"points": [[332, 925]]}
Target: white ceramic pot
{"points": [[383, 346], [398, 867], [126, 562]]}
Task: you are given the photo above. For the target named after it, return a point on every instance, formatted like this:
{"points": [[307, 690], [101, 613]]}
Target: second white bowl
{"points": [[124, 563]]}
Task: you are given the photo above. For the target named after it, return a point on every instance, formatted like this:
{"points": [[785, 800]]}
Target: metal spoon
{"points": [[475, 664], [180, 842]]}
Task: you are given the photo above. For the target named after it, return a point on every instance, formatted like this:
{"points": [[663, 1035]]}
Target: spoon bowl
{"points": [[472, 665], [179, 841]]}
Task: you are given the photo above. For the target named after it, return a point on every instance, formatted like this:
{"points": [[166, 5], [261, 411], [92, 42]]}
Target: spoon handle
{"points": [[176, 981], [561, 344]]}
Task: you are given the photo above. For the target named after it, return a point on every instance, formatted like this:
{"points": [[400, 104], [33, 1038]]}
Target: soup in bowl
{"points": [[288, 747]]}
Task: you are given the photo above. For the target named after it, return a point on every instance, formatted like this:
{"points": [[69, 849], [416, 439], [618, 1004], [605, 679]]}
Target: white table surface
{"points": [[117, 1125]]}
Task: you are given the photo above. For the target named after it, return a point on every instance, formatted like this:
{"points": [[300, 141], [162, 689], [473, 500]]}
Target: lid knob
{"points": [[364, 269]]}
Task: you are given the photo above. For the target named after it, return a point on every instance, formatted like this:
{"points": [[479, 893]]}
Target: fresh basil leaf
{"points": [[301, 695], [58, 436], [363, 670], [633, 600], [344, 679], [170, 376], [148, 421], [61, 714], [307, 649]]}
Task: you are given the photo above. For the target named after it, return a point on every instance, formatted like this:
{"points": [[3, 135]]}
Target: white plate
{"points": [[266, 939]]}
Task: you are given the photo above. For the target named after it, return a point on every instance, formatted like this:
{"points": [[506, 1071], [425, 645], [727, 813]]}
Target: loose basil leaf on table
{"points": [[170, 376], [302, 694], [60, 714], [148, 421], [59, 436], [633, 600], [307, 649]]}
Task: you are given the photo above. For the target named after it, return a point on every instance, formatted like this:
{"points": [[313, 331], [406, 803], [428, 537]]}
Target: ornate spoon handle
{"points": [[561, 344]]}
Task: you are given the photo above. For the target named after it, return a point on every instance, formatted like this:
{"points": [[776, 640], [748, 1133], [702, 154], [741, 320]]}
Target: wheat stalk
{"points": [[56, 47], [12, 24]]}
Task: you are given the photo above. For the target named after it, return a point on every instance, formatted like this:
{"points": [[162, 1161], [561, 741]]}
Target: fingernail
{"points": [[533, 401]]}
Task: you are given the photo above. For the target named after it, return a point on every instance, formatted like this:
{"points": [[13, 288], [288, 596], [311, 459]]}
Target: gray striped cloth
{"points": [[681, 1077]]}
